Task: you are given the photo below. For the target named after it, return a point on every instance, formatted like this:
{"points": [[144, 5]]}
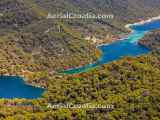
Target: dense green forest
{"points": [[130, 84], [36, 48]]}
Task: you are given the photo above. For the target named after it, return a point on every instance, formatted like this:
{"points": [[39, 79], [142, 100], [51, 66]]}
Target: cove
{"points": [[125, 47], [15, 87]]}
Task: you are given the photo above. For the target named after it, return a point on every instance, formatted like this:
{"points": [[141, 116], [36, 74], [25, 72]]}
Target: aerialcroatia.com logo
{"points": [[79, 16], [80, 106]]}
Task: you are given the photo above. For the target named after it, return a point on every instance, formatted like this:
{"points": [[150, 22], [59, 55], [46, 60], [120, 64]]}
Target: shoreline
{"points": [[143, 22], [127, 26], [25, 81]]}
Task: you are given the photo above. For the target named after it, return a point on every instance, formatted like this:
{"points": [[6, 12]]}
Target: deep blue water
{"points": [[14, 87], [126, 47]]}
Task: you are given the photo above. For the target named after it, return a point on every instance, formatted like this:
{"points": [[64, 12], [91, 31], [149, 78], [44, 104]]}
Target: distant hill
{"points": [[15, 13], [125, 11], [122, 9], [152, 41]]}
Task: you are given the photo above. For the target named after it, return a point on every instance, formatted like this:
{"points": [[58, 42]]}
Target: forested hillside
{"points": [[37, 48], [130, 84], [123, 10], [32, 43], [15, 13]]}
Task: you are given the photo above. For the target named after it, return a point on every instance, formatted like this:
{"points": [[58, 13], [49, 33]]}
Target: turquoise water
{"points": [[14, 87], [125, 47]]}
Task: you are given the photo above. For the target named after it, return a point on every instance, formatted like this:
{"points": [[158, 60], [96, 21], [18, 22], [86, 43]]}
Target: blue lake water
{"points": [[15, 87], [126, 47]]}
